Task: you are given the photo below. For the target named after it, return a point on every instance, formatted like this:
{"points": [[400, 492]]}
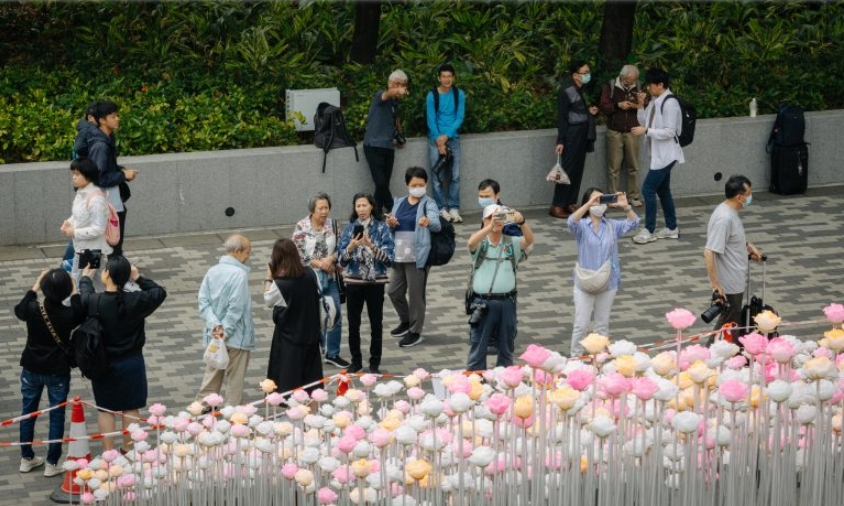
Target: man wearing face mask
{"points": [[727, 249], [618, 103]]}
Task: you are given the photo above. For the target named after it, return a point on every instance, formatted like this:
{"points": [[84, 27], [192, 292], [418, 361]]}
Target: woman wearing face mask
{"points": [[366, 251], [597, 259], [412, 220], [574, 119], [315, 237]]}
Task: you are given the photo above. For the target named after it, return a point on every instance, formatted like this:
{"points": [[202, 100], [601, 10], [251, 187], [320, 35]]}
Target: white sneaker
{"points": [[455, 216], [28, 465], [644, 237], [444, 215], [51, 470], [667, 233]]}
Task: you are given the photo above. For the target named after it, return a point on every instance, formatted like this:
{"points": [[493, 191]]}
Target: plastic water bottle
{"points": [[753, 108]]}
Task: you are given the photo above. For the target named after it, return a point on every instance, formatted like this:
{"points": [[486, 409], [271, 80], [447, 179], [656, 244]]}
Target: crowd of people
{"points": [[382, 250]]}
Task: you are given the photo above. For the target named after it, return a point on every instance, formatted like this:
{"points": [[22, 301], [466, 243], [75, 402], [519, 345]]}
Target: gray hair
{"points": [[317, 197], [235, 243], [629, 70], [398, 75]]}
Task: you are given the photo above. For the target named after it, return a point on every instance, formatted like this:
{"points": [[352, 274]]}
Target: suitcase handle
{"points": [[763, 258]]}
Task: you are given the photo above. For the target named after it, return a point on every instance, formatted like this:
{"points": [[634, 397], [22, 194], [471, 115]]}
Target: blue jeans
{"points": [[332, 336], [452, 200], [498, 321], [32, 385], [658, 183]]}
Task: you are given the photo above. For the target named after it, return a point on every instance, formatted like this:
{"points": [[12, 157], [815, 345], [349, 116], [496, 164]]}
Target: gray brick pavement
{"points": [[802, 235]]}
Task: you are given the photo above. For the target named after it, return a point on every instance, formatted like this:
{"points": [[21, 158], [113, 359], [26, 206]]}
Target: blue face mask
{"points": [[748, 201], [483, 202], [585, 78]]}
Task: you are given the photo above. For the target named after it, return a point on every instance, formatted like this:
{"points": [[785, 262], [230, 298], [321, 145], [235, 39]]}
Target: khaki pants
{"points": [[234, 374], [623, 147]]}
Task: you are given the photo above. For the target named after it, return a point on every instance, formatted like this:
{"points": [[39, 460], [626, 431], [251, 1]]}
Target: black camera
{"points": [[719, 305], [443, 162], [90, 258], [478, 310], [398, 138]]}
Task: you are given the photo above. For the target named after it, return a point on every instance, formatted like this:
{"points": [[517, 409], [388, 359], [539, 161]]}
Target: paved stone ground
{"points": [[801, 234]]}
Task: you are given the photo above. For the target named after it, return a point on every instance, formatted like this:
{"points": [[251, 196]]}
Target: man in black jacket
{"points": [[101, 151]]}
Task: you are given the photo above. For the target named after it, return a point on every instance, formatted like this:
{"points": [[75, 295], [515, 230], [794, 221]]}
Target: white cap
{"points": [[492, 209]]}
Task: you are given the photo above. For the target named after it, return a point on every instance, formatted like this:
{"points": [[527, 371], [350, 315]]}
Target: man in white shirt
{"points": [[662, 120]]}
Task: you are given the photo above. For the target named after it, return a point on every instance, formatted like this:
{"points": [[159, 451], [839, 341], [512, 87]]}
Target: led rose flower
{"points": [[274, 399], [580, 379], [512, 376], [304, 477], [622, 348], [431, 407], [754, 343], [806, 414], [460, 403], [361, 468], [781, 349], [614, 384], [326, 496], [415, 393], [268, 386], [523, 408], [364, 496], [686, 422], [381, 437], [482, 456], [819, 368], [680, 318], [695, 353], [664, 363], [723, 349], [602, 426], [498, 403], [834, 340], [733, 391], [644, 388], [418, 469], [289, 470], [368, 380], [736, 362], [766, 321], [535, 355], [594, 343], [319, 395], [779, 391], [565, 398], [158, 409], [625, 365], [411, 381], [213, 400], [834, 313], [699, 373]]}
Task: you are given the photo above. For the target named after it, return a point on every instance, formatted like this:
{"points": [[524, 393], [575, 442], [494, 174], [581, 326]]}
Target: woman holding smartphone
{"points": [[597, 274], [366, 252]]}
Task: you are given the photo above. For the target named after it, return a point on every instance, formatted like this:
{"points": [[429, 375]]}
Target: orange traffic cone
{"points": [[727, 332], [76, 450]]}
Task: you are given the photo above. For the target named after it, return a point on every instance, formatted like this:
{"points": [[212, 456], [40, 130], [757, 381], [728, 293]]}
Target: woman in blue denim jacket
{"points": [[366, 251]]}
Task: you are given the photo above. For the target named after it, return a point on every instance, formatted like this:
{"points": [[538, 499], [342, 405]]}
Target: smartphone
{"points": [[357, 231], [90, 258], [610, 198]]}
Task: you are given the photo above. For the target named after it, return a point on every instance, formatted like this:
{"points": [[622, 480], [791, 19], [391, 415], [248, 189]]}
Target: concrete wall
{"points": [[190, 192]]}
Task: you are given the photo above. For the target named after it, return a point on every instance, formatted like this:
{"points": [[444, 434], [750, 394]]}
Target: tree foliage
{"points": [[212, 75]]}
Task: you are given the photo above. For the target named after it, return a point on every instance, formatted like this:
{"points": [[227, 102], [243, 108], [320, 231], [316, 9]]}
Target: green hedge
{"points": [[207, 76]]}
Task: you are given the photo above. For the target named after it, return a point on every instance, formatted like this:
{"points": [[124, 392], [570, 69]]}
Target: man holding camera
{"points": [[493, 305], [727, 249], [383, 135], [445, 106]]}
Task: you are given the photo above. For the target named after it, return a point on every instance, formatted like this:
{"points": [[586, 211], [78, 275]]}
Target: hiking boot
{"points": [[455, 216], [411, 339], [401, 330], [667, 233], [644, 237], [28, 465], [337, 362]]}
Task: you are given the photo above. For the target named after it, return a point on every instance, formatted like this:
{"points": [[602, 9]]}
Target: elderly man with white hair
{"points": [[383, 135], [226, 306], [618, 103]]}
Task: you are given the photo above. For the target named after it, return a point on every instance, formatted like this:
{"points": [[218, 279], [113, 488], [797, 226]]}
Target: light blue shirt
{"points": [[448, 120], [224, 300], [595, 247]]}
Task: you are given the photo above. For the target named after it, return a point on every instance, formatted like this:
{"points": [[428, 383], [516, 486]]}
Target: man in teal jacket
{"points": [[226, 307]]}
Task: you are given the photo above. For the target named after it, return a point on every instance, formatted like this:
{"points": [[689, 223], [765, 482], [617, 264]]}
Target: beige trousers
{"points": [[623, 147], [233, 374]]}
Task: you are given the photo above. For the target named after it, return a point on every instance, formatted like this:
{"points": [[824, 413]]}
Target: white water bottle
{"points": [[753, 108]]}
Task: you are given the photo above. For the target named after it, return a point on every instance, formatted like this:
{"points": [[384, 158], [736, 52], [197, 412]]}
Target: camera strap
{"points": [[481, 257]]}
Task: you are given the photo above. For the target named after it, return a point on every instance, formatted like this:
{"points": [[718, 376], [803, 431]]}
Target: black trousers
{"points": [[381, 167], [573, 161], [373, 296], [117, 250]]}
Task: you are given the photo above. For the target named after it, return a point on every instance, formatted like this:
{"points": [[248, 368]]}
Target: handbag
{"points": [[557, 174], [71, 360], [593, 281], [125, 192], [216, 356], [338, 271]]}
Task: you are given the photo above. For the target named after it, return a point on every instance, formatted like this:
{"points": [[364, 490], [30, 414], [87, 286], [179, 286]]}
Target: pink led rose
{"points": [[680, 318], [736, 362], [512, 376], [158, 409], [415, 393], [368, 379], [834, 313], [781, 349], [213, 400], [326, 496], [614, 384], [754, 343], [274, 399], [289, 470], [498, 403], [580, 379], [381, 437], [644, 388], [733, 391], [300, 396], [694, 353], [535, 355], [319, 395]]}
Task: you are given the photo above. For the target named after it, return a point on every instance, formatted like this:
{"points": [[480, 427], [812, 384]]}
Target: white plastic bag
{"points": [[557, 174], [216, 355]]}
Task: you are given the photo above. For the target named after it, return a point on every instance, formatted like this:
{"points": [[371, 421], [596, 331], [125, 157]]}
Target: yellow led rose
{"points": [[625, 365], [595, 343]]}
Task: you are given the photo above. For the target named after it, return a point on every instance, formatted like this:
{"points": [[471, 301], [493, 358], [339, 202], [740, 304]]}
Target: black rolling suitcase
{"points": [[753, 306], [789, 169], [789, 152]]}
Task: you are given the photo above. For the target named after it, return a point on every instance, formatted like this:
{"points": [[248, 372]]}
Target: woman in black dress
{"points": [[293, 293], [122, 315]]}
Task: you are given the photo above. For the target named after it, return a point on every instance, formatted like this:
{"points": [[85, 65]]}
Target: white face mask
{"points": [[417, 192], [598, 211]]}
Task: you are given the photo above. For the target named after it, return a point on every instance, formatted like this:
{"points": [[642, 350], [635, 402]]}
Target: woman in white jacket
{"points": [[87, 223]]}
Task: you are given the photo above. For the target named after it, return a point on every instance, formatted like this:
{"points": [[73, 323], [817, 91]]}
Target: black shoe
{"points": [[353, 368], [411, 339], [491, 351], [401, 330], [375, 370], [337, 361]]}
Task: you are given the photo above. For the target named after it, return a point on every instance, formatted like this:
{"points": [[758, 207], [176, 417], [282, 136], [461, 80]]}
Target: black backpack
{"points": [[789, 128], [86, 343], [330, 131], [443, 245], [688, 115]]}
